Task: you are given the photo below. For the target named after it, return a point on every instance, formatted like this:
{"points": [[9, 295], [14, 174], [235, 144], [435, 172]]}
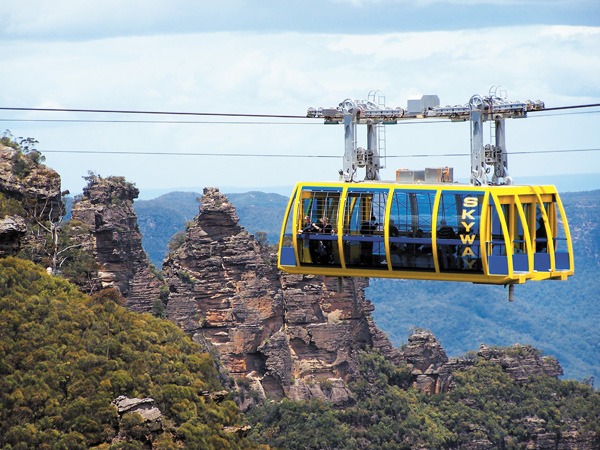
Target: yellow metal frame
{"points": [[493, 197]]}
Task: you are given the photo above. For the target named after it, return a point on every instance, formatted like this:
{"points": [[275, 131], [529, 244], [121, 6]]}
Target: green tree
{"points": [[64, 357]]}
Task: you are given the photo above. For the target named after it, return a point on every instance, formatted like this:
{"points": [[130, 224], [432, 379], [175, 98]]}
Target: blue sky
{"points": [[274, 57]]}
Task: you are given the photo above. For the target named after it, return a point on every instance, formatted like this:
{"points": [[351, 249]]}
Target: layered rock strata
{"points": [[285, 335], [432, 370], [106, 207], [34, 188], [12, 230]]}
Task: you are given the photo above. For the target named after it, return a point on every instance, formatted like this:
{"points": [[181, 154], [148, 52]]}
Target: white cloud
{"points": [[285, 73]]}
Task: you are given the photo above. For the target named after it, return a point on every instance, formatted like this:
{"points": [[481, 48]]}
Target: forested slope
{"points": [[64, 358], [487, 409]]}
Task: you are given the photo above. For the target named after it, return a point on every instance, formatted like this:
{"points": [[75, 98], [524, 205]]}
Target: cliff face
{"points": [[25, 179], [432, 370], [106, 207], [34, 191], [283, 334], [12, 231]]}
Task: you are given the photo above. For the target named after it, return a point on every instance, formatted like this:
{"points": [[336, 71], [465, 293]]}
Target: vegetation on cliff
{"points": [[31, 191], [486, 409], [64, 357]]}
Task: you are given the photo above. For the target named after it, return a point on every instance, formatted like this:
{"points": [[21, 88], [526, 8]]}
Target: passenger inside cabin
{"points": [[309, 227], [325, 246], [541, 237], [325, 225], [394, 246], [366, 247], [446, 250], [424, 248], [369, 226]]}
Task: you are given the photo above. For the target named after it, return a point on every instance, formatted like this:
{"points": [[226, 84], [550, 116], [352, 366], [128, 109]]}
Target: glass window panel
{"points": [[458, 231], [410, 220], [364, 216], [318, 217]]}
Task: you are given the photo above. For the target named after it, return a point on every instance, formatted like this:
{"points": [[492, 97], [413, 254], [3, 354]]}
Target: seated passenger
{"points": [[541, 238], [424, 248], [325, 246], [366, 247], [446, 250], [309, 226], [394, 246], [447, 232], [369, 226]]}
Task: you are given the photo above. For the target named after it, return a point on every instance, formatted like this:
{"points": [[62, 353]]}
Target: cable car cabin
{"points": [[449, 232]]}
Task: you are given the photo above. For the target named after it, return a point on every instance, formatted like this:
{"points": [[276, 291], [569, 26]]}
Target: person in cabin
{"points": [[309, 227], [325, 246], [367, 228], [393, 230], [541, 237], [446, 250]]}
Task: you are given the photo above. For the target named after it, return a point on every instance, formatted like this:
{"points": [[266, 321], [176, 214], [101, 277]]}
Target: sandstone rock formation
{"points": [[285, 335], [427, 359], [12, 231], [151, 417], [25, 179], [115, 240], [521, 361], [432, 370], [34, 188]]}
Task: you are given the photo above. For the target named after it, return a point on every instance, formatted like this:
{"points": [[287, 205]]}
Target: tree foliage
{"points": [[64, 357], [486, 405]]}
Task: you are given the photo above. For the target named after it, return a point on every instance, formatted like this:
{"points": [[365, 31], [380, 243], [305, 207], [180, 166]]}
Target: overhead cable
{"points": [[178, 113], [227, 122], [283, 155], [166, 113], [215, 122]]}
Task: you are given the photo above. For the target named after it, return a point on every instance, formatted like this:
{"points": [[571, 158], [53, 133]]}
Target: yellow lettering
{"points": [[467, 252], [470, 202], [467, 239], [468, 213], [467, 226], [471, 263]]}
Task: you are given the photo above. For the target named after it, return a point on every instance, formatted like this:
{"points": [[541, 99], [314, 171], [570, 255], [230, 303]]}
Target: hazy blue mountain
{"points": [[559, 318]]}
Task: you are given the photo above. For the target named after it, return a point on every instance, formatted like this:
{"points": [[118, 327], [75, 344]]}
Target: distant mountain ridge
{"points": [[564, 182], [159, 219]]}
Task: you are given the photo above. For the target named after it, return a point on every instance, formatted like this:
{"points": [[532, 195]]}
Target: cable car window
{"points": [[458, 231], [497, 245], [410, 229], [519, 244], [560, 238], [287, 256], [540, 235], [317, 218], [561, 248], [362, 234]]}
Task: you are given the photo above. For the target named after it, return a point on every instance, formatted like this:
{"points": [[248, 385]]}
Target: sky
{"points": [[279, 58]]}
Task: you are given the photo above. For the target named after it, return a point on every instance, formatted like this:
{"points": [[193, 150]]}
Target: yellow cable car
{"points": [[481, 234], [489, 231]]}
